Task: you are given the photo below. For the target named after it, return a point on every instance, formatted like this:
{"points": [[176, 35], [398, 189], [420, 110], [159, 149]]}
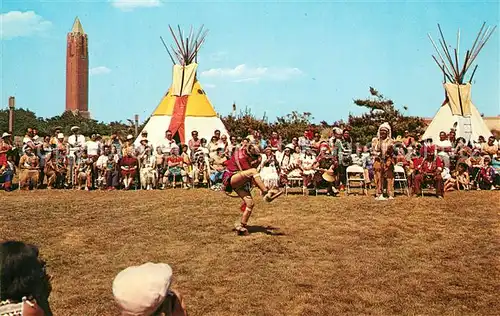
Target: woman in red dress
{"points": [[240, 174], [128, 166]]}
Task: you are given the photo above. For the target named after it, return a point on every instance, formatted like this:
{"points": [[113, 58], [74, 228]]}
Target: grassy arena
{"points": [[322, 256]]}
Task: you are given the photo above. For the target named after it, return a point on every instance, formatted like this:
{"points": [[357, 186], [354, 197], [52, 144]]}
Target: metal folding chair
{"points": [[400, 178], [356, 175]]}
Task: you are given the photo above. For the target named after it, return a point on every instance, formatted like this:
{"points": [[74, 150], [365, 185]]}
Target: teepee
{"points": [[457, 111], [185, 107]]}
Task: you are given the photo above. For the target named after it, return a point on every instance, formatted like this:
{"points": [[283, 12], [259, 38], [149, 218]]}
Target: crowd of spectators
{"points": [[310, 161]]}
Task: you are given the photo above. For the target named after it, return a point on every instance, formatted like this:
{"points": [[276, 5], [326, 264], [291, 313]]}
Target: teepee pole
{"points": [[458, 51], [462, 73], [456, 61], [182, 40], [480, 47], [442, 69], [460, 99], [447, 52], [171, 58], [472, 76], [477, 37], [439, 54], [179, 47]]}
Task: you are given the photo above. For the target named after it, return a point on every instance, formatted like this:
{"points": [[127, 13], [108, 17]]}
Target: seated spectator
{"points": [[112, 173], [161, 165], [200, 166], [84, 172], [443, 146], [475, 162], [24, 283], [145, 290], [194, 143], [29, 169], [175, 168], [188, 165], [304, 142], [290, 164], [51, 170], [7, 172], [147, 168], [408, 140], [128, 167], [495, 163], [212, 147], [217, 165], [101, 165], [316, 143], [486, 176], [489, 148], [268, 169], [309, 166], [326, 171], [459, 179], [428, 171], [275, 141]]}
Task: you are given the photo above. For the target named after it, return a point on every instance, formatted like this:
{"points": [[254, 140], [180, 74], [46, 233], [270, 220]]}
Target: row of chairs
{"points": [[356, 180]]}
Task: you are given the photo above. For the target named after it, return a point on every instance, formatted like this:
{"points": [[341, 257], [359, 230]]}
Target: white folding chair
{"points": [[356, 175], [400, 178], [293, 182]]}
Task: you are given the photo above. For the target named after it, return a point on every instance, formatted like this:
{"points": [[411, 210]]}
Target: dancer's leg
{"points": [[249, 204]]}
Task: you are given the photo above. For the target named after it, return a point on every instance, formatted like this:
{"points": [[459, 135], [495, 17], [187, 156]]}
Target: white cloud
{"points": [[101, 70], [209, 86], [244, 73], [252, 80], [17, 24], [129, 5]]}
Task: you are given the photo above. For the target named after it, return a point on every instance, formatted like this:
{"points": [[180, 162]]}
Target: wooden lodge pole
{"points": [[136, 124], [12, 105]]}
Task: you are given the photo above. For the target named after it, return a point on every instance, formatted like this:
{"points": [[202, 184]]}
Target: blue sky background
{"points": [[271, 57]]}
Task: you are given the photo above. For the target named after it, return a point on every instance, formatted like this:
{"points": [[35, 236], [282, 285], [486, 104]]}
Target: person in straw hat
{"points": [[326, 171], [145, 290], [239, 176]]}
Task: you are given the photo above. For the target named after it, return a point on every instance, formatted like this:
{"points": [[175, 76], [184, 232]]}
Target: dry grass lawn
{"points": [[322, 256]]}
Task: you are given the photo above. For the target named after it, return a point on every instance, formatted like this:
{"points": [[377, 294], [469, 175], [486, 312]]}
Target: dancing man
{"points": [[239, 176]]}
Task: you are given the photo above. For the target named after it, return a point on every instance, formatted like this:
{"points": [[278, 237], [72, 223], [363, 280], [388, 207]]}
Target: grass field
{"points": [[322, 256]]}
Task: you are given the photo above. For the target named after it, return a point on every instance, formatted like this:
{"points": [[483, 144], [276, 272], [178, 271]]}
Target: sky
{"points": [[270, 57]]}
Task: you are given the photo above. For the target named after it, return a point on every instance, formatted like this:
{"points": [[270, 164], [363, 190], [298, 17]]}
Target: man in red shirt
{"points": [[240, 173], [275, 141], [429, 170]]}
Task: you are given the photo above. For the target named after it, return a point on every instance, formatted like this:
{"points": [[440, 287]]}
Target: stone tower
{"points": [[77, 71]]}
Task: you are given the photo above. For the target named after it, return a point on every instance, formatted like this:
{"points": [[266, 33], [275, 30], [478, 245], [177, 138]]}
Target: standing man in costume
{"points": [[76, 142], [241, 172]]}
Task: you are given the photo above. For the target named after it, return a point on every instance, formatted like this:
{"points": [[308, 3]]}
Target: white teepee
{"points": [[466, 120], [185, 107]]}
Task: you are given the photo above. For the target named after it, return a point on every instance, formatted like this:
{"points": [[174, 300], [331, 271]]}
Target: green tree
{"points": [[364, 127]]}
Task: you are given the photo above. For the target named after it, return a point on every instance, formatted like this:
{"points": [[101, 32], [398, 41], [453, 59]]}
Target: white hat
{"points": [[74, 128], [129, 136], [5, 135], [290, 146], [60, 135], [140, 290]]}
